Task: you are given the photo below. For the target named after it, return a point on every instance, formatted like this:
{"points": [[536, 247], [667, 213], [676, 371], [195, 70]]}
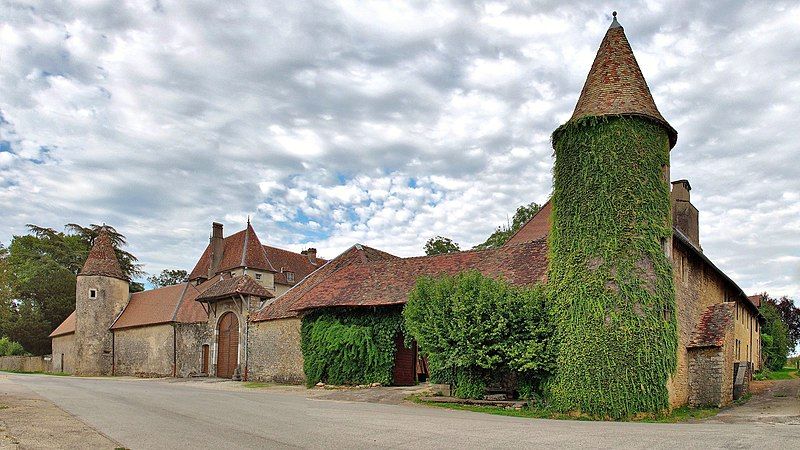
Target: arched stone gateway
{"points": [[227, 345]]}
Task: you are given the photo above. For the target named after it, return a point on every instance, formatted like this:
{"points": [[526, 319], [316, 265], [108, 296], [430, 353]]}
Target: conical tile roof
{"points": [[102, 260], [616, 86]]}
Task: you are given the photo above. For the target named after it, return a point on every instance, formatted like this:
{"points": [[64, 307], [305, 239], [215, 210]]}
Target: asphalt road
{"points": [[157, 414]]}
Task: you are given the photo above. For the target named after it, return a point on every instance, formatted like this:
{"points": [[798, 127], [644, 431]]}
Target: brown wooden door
{"points": [[227, 345], [204, 366], [405, 363]]}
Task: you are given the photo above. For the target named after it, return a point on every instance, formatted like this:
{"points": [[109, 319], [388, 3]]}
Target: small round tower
{"points": [[614, 301], [101, 294]]}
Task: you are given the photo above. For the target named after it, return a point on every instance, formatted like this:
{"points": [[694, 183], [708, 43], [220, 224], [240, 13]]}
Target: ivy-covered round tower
{"points": [[614, 299]]}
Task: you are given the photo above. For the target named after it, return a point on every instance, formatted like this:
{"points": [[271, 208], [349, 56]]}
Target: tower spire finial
{"points": [[614, 23]]}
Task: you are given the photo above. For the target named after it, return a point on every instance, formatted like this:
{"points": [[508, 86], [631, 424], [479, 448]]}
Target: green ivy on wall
{"points": [[611, 282], [350, 346]]}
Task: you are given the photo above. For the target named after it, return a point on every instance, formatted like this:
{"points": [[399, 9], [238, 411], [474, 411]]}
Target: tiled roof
{"points": [[102, 260], [710, 331], [282, 306], [66, 327], [755, 300], [284, 260], [387, 282], [616, 86], [536, 228], [224, 287], [242, 249], [164, 305]]}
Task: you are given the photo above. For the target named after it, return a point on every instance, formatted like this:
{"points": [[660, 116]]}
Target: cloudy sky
{"points": [[384, 123]]}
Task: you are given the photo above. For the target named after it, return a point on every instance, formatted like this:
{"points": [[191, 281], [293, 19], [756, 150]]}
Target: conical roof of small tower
{"points": [[615, 85], [102, 260]]}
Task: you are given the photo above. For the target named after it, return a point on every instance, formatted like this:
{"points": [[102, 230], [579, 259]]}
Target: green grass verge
{"points": [[56, 374], [257, 384], [787, 373], [682, 414]]}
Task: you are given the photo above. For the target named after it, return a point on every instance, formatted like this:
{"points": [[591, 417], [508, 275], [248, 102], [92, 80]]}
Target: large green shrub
{"points": [[478, 331], [613, 298], [352, 346], [774, 337], [10, 348]]}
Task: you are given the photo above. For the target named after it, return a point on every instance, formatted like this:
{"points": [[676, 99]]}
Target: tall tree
{"points": [[790, 314], [774, 336], [168, 277], [503, 233], [440, 245]]}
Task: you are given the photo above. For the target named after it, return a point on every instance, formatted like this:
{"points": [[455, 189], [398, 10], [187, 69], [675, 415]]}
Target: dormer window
{"points": [[290, 276], [92, 293], [258, 276]]}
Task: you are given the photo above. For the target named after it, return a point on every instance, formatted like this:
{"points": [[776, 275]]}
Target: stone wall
{"points": [[144, 351], [275, 353], [24, 363], [190, 340], [93, 317], [711, 373], [63, 354]]}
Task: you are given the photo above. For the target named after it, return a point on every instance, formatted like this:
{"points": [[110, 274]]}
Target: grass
{"points": [[682, 414], [39, 372], [743, 399], [787, 373], [257, 384]]}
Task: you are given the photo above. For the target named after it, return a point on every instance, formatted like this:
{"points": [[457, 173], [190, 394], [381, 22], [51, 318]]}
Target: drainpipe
{"points": [[113, 355], [174, 350], [246, 336]]}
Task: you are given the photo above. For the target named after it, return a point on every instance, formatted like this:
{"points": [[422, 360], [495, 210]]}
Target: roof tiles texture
{"points": [[102, 260], [285, 261], [714, 323], [537, 227], [164, 305], [223, 287], [66, 327], [616, 86]]}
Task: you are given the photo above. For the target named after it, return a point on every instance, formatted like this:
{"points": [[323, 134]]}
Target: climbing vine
{"points": [[479, 332], [350, 346], [610, 280]]}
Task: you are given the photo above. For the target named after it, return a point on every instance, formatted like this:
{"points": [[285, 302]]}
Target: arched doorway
{"points": [[227, 345]]}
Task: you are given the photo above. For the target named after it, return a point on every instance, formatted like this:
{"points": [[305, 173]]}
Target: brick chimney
{"points": [[311, 254], [216, 243], [685, 216]]}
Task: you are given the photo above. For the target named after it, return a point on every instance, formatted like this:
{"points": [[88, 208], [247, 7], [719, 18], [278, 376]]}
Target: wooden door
{"points": [[204, 366], [405, 363], [227, 345]]}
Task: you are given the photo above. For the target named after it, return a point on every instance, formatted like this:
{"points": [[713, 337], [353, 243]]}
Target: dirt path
{"points": [[30, 421], [774, 402]]}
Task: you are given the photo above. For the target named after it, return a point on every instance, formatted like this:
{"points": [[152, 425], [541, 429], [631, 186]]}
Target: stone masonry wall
{"points": [[24, 363], [93, 318], [144, 351], [275, 353], [63, 354], [191, 337], [706, 371]]}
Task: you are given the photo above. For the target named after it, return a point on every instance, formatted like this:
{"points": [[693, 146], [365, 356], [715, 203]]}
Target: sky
{"points": [[384, 123]]}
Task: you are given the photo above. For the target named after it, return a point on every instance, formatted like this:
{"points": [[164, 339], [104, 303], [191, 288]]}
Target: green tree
{"points": [[774, 336], [478, 331], [440, 245], [503, 233], [168, 277], [10, 348]]}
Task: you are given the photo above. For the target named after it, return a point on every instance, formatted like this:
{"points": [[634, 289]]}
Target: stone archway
{"points": [[227, 345]]}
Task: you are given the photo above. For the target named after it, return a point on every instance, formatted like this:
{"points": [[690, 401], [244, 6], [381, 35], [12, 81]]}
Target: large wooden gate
{"points": [[405, 363], [227, 345]]}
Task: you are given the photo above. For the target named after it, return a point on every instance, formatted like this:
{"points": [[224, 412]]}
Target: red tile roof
{"points": [[285, 261], [164, 305], [755, 300], [66, 327], [224, 287], [102, 260], [282, 306], [536, 228], [616, 86], [354, 282], [710, 331]]}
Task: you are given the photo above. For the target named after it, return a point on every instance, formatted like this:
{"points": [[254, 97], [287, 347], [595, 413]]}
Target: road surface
{"points": [[143, 414]]}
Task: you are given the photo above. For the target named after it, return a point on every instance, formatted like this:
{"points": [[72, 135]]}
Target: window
{"points": [[290, 277], [258, 276], [92, 293]]}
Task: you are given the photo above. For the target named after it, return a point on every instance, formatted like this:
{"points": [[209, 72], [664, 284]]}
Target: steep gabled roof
{"points": [[241, 249], [66, 327], [714, 323], [224, 287], [616, 86], [102, 260], [285, 261], [163, 305], [536, 228], [282, 306]]}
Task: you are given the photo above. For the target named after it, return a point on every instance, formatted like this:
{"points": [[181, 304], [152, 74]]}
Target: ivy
{"points": [[611, 283], [350, 346], [478, 331]]}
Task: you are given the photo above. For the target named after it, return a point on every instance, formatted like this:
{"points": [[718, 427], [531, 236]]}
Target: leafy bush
{"points": [[478, 331], [10, 348], [350, 346], [774, 338]]}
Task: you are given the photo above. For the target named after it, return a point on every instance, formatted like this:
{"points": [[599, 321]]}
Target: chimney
{"points": [[311, 253], [685, 216], [216, 243]]}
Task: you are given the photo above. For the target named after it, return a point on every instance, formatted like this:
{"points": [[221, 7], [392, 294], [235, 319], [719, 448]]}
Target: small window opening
{"points": [[258, 276], [92, 293], [290, 276]]}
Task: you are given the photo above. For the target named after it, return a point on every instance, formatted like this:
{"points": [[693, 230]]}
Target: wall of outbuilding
{"points": [[275, 353], [144, 351], [190, 340], [63, 354]]}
